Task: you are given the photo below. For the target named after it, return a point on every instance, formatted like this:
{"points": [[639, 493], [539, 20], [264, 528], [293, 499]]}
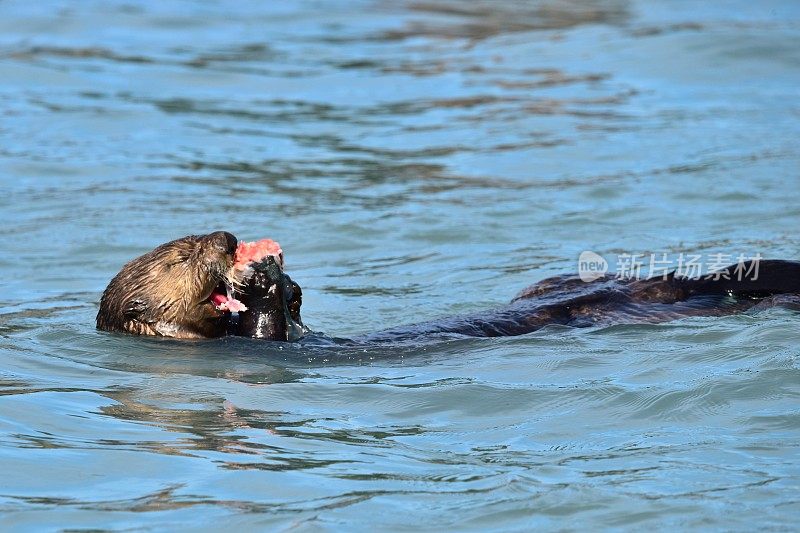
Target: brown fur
{"points": [[166, 292]]}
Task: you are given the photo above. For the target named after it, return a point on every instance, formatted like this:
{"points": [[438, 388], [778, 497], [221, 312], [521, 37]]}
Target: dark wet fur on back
{"points": [[567, 300]]}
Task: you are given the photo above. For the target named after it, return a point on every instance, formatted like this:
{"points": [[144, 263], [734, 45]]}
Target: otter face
{"points": [[168, 291]]}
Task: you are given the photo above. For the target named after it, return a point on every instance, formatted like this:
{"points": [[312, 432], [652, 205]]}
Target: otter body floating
{"points": [[190, 288], [569, 301]]}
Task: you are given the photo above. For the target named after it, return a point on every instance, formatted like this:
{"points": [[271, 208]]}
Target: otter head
{"points": [[172, 291]]}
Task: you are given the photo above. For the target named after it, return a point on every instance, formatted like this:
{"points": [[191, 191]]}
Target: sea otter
{"points": [[188, 287]]}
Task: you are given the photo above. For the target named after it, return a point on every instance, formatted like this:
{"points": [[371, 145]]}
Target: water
{"points": [[415, 160]]}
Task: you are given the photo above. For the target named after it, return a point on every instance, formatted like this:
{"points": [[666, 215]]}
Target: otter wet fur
{"points": [[167, 291]]}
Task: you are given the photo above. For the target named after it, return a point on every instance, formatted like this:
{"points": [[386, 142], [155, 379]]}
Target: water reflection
{"points": [[485, 19]]}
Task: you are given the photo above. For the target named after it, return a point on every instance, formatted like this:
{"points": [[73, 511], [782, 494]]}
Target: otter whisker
{"points": [[232, 280]]}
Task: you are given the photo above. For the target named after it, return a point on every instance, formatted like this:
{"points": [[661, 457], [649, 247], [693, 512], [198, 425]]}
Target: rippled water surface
{"points": [[415, 159]]}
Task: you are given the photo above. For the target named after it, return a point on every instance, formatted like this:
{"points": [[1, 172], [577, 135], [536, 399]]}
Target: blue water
{"points": [[415, 160]]}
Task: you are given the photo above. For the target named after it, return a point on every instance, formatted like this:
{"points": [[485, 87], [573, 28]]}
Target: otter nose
{"points": [[226, 241]]}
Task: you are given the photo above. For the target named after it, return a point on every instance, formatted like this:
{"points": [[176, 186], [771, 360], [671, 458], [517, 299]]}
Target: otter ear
{"points": [[134, 309]]}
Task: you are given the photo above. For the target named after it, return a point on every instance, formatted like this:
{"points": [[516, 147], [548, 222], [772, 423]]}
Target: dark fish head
{"points": [[273, 303]]}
